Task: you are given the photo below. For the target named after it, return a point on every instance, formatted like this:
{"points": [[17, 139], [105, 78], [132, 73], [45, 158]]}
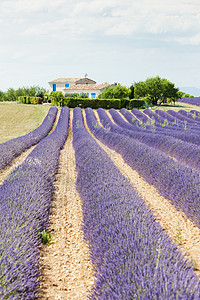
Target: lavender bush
{"points": [[169, 120], [180, 184], [190, 100], [132, 256], [12, 148], [190, 115], [25, 200], [189, 136], [185, 153], [182, 117], [178, 121]]}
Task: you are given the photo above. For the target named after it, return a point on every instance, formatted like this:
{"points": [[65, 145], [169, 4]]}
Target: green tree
{"points": [[76, 95], [10, 95], [132, 93], [117, 92], [156, 89], [56, 98], [1, 95], [32, 91], [83, 95], [187, 95]]}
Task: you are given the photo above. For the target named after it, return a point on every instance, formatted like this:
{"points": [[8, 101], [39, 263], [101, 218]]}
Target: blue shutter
{"points": [[66, 85], [93, 95], [88, 95], [54, 87]]}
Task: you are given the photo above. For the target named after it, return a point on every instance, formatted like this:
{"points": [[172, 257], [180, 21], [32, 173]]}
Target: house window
{"points": [[93, 95], [88, 95], [54, 87], [66, 85]]}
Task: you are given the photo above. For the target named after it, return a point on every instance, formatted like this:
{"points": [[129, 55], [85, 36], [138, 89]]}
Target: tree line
{"points": [[155, 90], [33, 91]]}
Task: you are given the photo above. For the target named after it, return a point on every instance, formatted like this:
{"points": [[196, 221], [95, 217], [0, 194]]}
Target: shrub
{"points": [[30, 100], [135, 103], [93, 103]]}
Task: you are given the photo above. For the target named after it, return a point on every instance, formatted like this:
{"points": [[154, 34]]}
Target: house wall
{"points": [[89, 92], [60, 86]]}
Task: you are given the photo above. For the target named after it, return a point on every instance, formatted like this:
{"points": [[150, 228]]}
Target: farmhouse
{"points": [[78, 85]]}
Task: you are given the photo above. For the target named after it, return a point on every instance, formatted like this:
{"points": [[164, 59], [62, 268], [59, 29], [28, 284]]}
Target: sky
{"points": [[109, 40]]}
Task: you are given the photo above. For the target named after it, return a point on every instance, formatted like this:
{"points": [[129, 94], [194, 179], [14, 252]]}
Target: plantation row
{"points": [[25, 200], [132, 256], [12, 148], [190, 100], [178, 183]]}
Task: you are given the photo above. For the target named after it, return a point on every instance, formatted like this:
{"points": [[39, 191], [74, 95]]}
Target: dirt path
{"points": [[66, 270], [177, 225]]}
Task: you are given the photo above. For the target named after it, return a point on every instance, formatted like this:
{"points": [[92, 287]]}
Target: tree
{"points": [[117, 92], [132, 93], [76, 95], [156, 88], [11, 95], [1, 95], [186, 95], [56, 98]]}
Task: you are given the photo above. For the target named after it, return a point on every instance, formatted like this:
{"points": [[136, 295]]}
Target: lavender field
{"points": [[131, 254]]}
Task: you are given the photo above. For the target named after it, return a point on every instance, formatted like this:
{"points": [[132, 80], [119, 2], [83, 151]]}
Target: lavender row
{"points": [[180, 184], [183, 118], [176, 132], [184, 135], [12, 148], [190, 100], [132, 256], [25, 200], [185, 153], [179, 120], [193, 115], [167, 120], [156, 120], [154, 123]]}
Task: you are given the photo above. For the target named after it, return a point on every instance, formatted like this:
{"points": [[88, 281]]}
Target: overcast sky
{"points": [[110, 40]]}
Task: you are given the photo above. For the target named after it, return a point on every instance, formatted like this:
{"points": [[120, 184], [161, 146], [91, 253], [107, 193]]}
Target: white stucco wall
{"points": [[97, 92], [59, 87]]}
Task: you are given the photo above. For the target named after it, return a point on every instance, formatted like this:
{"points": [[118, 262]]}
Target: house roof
{"points": [[72, 80], [87, 87], [64, 80]]}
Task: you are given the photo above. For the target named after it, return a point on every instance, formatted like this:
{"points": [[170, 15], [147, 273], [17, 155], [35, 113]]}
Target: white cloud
{"points": [[98, 36], [103, 17]]}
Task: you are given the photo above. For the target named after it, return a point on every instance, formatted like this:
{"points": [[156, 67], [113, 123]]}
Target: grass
{"points": [[178, 106], [19, 119]]}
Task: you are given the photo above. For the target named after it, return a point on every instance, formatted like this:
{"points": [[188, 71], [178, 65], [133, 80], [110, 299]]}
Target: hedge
{"points": [[87, 102], [93, 103], [135, 103], [30, 100], [103, 103]]}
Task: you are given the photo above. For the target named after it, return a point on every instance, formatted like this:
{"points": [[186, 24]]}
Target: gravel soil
{"points": [[66, 269]]}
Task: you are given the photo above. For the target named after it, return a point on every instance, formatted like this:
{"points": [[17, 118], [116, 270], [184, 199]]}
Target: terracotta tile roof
{"points": [[87, 87], [65, 80]]}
